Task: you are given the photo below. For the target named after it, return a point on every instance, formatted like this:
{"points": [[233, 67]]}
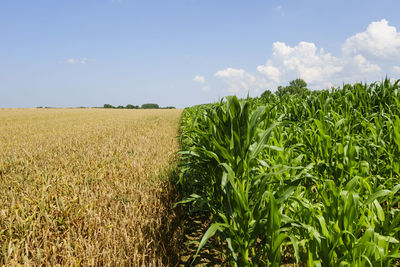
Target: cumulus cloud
{"points": [[82, 61], [199, 79], [304, 60], [380, 41], [273, 73], [362, 65], [239, 81], [365, 56], [314, 65]]}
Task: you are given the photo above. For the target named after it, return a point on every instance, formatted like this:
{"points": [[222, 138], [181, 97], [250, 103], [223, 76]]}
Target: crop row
{"points": [[312, 178], [86, 187]]}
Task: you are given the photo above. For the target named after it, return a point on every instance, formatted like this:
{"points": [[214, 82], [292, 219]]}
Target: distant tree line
{"points": [[129, 106], [144, 106]]}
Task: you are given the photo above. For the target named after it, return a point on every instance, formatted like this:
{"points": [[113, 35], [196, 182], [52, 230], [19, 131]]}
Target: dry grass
{"points": [[85, 187]]}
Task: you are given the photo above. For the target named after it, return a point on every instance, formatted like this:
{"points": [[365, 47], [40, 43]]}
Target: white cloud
{"points": [[314, 65], [72, 61], [304, 60], [365, 57], [273, 73], [380, 42], [363, 65], [199, 79], [82, 61], [231, 72], [240, 82]]}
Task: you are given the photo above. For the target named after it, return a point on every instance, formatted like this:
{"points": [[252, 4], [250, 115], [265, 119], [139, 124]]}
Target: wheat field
{"points": [[86, 186]]}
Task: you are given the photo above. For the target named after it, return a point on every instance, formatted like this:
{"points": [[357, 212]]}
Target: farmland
{"points": [[296, 177], [85, 186], [310, 177]]}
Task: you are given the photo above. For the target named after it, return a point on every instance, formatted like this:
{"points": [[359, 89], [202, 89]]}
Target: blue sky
{"points": [[187, 52]]}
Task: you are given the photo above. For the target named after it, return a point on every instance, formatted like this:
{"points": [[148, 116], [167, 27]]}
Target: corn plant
{"points": [[315, 174]]}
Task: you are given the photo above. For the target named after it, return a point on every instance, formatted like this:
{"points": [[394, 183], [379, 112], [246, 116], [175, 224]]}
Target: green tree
{"points": [[130, 106], [266, 94], [297, 86], [298, 83], [150, 105]]}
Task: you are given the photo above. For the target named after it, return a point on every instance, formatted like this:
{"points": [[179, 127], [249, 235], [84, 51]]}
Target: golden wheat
{"points": [[84, 186]]}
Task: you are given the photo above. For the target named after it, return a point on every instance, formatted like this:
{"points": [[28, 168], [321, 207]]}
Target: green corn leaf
{"points": [[322, 223], [229, 243], [295, 243], [208, 234], [261, 142], [191, 198], [379, 210], [376, 195]]}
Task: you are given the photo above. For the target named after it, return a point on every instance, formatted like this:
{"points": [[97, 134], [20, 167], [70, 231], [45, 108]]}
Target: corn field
{"points": [[86, 186], [311, 179]]}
